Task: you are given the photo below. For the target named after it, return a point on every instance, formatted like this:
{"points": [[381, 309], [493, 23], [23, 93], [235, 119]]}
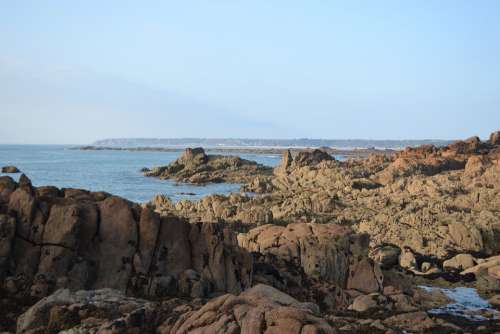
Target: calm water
{"points": [[116, 172]]}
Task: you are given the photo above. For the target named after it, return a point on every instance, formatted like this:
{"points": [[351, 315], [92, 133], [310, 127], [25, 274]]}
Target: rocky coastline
{"points": [[325, 246]]}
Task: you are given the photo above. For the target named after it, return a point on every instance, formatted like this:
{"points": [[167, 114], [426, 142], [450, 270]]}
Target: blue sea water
{"points": [[116, 172]]}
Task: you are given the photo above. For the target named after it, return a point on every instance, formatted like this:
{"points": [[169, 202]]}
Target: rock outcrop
{"points": [[194, 166], [51, 239], [326, 246], [261, 309], [329, 252], [10, 170], [54, 242], [447, 198]]}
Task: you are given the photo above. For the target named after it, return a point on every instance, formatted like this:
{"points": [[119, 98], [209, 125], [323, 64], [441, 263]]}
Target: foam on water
{"points": [[467, 303]]}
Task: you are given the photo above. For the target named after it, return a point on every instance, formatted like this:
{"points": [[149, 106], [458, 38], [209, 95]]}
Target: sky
{"points": [[77, 71]]}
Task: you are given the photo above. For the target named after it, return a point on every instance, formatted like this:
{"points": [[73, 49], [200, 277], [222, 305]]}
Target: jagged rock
{"points": [[77, 239], [7, 187], [194, 166], [495, 138], [465, 237], [7, 231], [286, 162], [261, 309], [324, 251], [10, 169], [476, 165], [310, 158], [365, 276], [118, 232], [387, 255]]}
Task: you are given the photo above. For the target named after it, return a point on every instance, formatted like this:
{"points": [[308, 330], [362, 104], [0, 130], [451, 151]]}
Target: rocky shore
{"points": [[325, 247]]}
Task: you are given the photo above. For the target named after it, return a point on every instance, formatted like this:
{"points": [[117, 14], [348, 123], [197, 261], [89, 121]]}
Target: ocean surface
{"points": [[116, 172]]}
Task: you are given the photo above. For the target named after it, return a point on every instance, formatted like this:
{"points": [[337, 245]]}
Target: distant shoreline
{"points": [[354, 152]]}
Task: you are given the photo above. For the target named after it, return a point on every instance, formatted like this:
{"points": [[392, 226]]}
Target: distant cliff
{"points": [[242, 142]]}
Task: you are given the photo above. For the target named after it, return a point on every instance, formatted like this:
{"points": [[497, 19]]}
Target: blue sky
{"points": [[77, 71]]}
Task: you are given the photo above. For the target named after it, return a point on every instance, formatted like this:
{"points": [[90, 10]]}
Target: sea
{"points": [[116, 172]]}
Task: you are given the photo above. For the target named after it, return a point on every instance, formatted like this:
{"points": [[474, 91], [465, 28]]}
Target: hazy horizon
{"points": [[74, 73]]}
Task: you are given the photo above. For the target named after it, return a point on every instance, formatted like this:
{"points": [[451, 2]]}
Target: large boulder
{"points": [[312, 157], [118, 233], [467, 238], [460, 262], [101, 311], [330, 252], [261, 309]]}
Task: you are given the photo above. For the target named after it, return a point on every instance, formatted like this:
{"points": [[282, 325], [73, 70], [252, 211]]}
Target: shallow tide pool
{"points": [[467, 303]]}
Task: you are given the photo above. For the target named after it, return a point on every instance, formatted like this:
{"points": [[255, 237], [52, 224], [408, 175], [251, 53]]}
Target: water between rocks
{"points": [[467, 303]]}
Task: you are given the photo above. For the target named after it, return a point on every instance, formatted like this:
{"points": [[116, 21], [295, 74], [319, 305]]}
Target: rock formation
{"points": [[10, 170], [71, 238], [194, 166], [325, 246], [447, 198]]}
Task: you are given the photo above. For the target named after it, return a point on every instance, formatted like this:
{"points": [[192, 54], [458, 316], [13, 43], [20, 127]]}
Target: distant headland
{"points": [[267, 143]]}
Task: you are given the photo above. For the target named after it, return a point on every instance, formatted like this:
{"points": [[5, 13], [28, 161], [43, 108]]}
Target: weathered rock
{"points": [[387, 256], [495, 138], [118, 232], [313, 157], [7, 187], [330, 252], [101, 311], [53, 238], [460, 262], [194, 166], [365, 303], [365, 276], [465, 237], [7, 231], [261, 309]]}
